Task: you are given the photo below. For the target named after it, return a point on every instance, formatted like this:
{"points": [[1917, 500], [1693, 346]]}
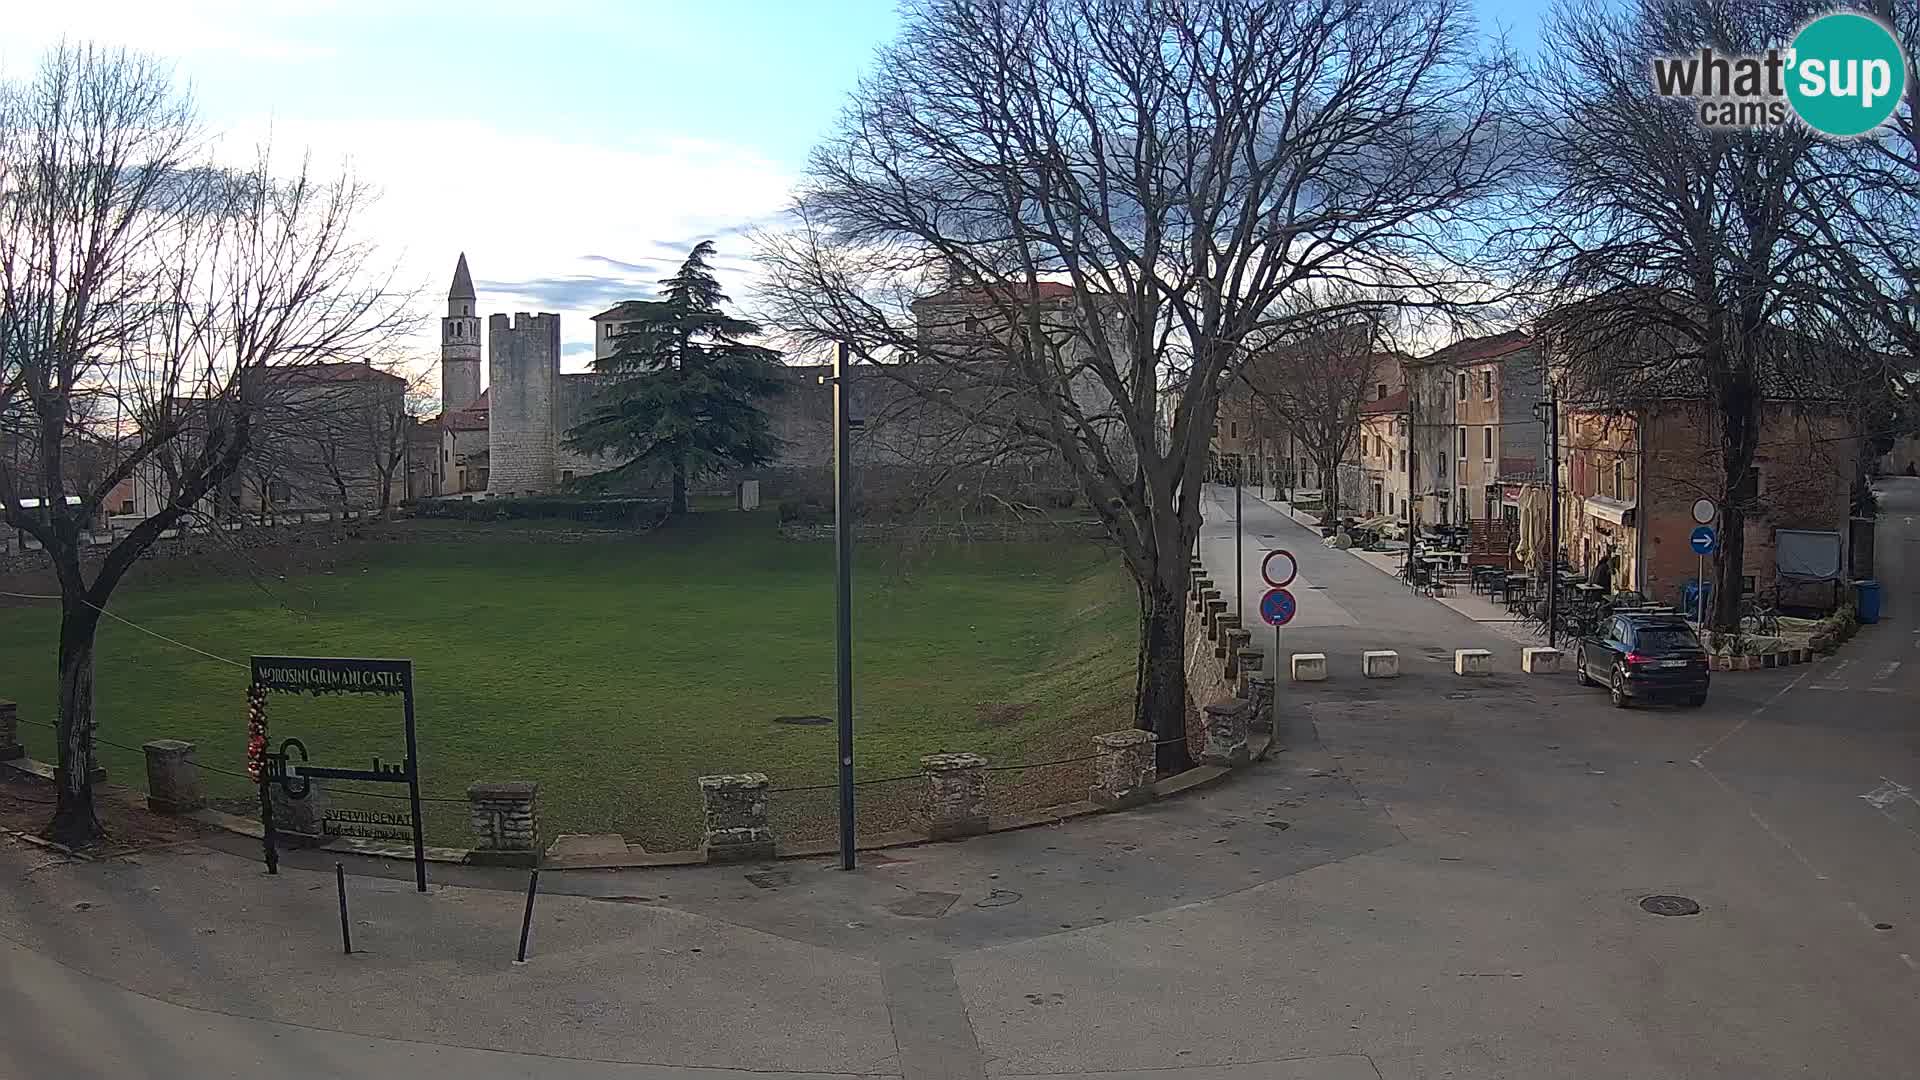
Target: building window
{"points": [[1380, 391], [126, 506], [1440, 467], [1233, 430], [1460, 386], [566, 476], [443, 455], [1389, 502], [973, 325], [1750, 487], [1463, 440], [1486, 387], [1486, 439], [1461, 509], [1620, 480]]}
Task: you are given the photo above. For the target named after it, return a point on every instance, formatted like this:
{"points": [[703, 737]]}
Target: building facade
{"points": [[1478, 431]]}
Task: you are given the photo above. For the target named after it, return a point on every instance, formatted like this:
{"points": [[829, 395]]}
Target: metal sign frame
{"points": [[331, 675], [1293, 568]]}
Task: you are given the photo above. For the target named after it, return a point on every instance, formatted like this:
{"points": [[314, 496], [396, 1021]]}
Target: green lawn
{"points": [[615, 670]]}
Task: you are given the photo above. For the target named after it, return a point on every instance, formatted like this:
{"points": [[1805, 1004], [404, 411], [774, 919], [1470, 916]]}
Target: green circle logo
{"points": [[1848, 74]]}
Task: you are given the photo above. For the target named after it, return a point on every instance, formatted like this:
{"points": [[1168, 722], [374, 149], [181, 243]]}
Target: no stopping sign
{"points": [[1279, 568]]}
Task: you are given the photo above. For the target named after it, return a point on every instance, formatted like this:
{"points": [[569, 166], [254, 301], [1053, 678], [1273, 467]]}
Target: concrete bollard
{"points": [[506, 823], [1472, 662], [302, 821], [1309, 667], [1380, 664], [1540, 661], [1257, 689], [1226, 734], [1123, 773], [956, 795], [10, 747], [735, 805], [173, 777]]}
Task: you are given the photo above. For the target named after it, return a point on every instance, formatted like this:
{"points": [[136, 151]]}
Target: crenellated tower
{"points": [[460, 343]]}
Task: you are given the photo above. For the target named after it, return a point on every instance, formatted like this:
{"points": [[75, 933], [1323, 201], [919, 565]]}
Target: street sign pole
{"points": [[1239, 568], [843, 601]]}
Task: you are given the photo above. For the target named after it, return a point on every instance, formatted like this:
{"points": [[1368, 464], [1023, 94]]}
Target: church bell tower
{"points": [[460, 343]]}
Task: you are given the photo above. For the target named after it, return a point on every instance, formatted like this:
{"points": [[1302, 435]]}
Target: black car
{"points": [[1641, 658]]}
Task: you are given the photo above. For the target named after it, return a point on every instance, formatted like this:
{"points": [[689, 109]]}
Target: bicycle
{"points": [[1762, 613]]}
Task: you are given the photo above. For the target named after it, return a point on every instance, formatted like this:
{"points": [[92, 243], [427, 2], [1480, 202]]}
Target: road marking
{"points": [[1889, 668], [1762, 707], [1888, 793], [1840, 667]]}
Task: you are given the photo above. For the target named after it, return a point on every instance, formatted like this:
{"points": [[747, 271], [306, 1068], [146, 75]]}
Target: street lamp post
{"points": [[843, 599]]}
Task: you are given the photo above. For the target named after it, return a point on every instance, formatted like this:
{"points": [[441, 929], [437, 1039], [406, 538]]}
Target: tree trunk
{"points": [[679, 503], [1739, 444], [74, 822], [1160, 691]]}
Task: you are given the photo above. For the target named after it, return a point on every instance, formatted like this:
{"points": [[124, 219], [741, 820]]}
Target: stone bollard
{"points": [[1200, 590], [301, 820], [10, 747], [1208, 598], [1223, 629], [173, 777], [956, 802], [1540, 661], [1258, 693], [1472, 662], [1226, 734], [1123, 773], [1380, 664], [736, 810], [506, 823], [1309, 667], [1237, 638], [1216, 607], [1248, 662]]}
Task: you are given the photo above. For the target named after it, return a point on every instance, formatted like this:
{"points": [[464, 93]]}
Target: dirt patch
{"points": [[1000, 714], [26, 805]]}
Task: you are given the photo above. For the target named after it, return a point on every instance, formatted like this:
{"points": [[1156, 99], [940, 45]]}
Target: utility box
{"points": [[749, 494]]}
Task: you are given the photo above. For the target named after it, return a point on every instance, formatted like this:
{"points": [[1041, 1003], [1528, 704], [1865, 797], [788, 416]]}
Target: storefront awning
{"points": [[1605, 509]]}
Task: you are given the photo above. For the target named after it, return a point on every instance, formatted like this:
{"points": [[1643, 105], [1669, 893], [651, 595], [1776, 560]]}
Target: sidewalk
{"points": [[1491, 616]]}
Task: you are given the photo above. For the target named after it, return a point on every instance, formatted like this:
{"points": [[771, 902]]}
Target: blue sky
{"points": [[574, 149]]}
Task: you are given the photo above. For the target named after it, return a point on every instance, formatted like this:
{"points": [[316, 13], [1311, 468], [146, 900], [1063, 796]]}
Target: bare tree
{"points": [[147, 297], [347, 427], [1047, 214], [1685, 261], [1314, 381]]}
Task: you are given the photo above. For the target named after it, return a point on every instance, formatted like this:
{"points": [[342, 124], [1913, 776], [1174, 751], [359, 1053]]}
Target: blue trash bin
{"points": [[1866, 596]]}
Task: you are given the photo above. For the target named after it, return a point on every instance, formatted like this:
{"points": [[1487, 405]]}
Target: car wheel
{"points": [[1580, 668], [1618, 690], [1696, 701]]}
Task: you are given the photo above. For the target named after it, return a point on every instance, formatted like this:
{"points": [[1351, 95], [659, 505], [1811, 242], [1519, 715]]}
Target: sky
{"points": [[573, 149]]}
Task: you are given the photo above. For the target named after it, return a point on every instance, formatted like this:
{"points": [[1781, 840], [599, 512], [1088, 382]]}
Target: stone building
{"points": [[1475, 427], [509, 439]]}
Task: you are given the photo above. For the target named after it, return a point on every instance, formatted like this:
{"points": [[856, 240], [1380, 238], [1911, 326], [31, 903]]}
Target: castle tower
{"points": [[459, 344], [523, 366]]}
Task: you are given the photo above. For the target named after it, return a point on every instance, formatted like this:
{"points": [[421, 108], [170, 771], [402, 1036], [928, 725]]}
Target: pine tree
{"points": [[683, 392]]}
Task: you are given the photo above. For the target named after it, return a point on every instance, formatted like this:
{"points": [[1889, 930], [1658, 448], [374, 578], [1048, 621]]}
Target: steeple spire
{"points": [[462, 281]]}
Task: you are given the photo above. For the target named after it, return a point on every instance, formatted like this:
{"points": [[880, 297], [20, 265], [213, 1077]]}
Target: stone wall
{"points": [[1003, 530], [523, 365]]}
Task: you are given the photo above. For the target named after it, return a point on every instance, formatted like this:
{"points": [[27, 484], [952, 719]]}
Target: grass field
{"points": [[614, 669]]}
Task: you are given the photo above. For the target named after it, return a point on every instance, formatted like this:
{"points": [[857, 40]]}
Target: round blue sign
{"points": [[1277, 607], [1702, 540]]}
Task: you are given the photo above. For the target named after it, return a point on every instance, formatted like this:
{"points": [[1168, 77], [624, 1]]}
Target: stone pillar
{"points": [[1249, 663], [10, 747], [1258, 692], [956, 795], [1223, 628], [1205, 593], [1226, 734], [506, 823], [301, 820], [1216, 607], [1123, 773], [173, 777], [736, 809]]}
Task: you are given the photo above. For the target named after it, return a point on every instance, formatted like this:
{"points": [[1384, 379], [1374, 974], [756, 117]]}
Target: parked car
{"points": [[1644, 658]]}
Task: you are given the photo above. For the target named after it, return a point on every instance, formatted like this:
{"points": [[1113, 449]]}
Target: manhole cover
{"points": [[1670, 905]]}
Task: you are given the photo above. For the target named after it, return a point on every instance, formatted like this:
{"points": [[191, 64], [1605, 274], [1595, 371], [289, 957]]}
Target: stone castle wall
{"points": [[523, 369]]}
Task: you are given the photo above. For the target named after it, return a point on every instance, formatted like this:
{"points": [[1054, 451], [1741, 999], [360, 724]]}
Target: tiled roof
{"points": [[1395, 402], [1479, 349]]}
